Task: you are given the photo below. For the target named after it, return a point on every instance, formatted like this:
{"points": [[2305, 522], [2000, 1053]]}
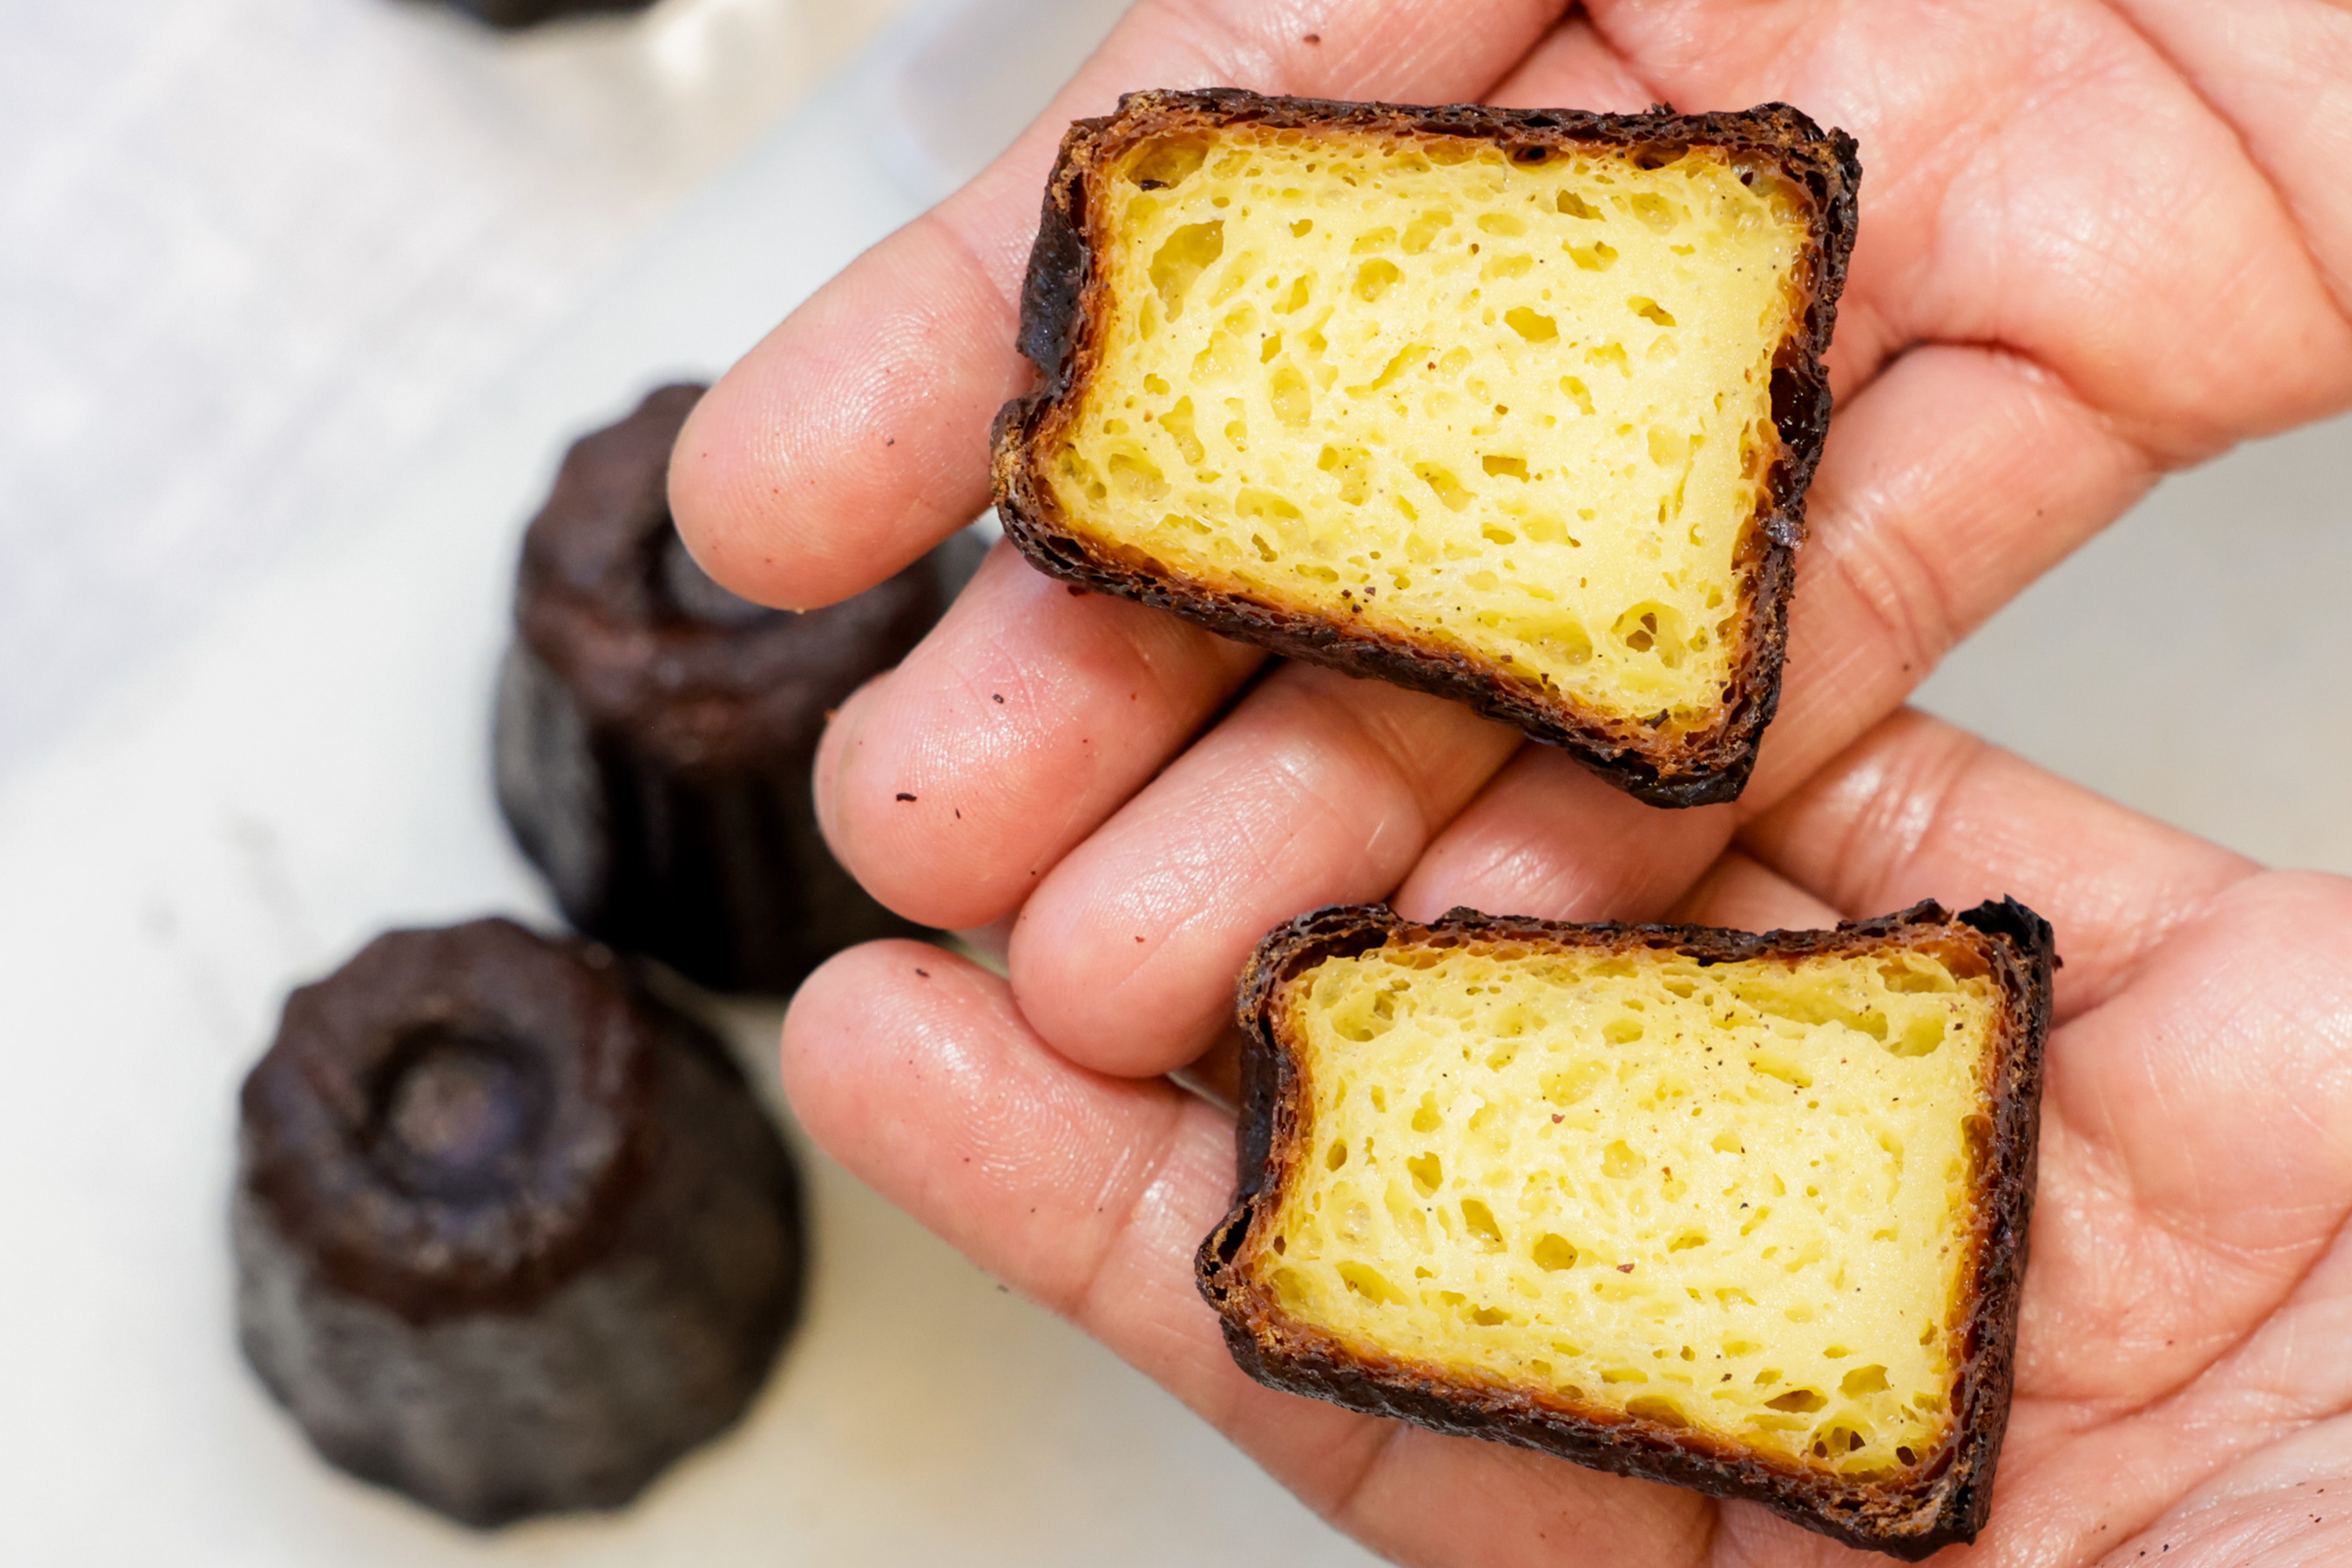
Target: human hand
{"points": [[2078, 266], [2073, 272], [2184, 1372]]}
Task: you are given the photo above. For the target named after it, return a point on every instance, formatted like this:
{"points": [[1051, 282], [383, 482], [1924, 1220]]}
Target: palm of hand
{"points": [[2096, 243]]}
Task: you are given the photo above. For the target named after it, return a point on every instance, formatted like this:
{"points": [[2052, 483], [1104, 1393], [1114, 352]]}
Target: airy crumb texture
{"points": [[1422, 383], [1744, 1213], [1514, 406]]}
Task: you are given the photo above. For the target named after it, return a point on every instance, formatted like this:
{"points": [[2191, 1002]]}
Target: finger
{"points": [[1570, 68], [1745, 894], [1090, 1193], [855, 437], [2275, 70], [1549, 838], [1919, 809], [1318, 789], [2175, 294], [1947, 485], [952, 784], [1952, 482]]}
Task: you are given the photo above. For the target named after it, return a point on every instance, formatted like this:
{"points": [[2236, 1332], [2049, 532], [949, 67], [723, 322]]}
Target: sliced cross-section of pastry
{"points": [[1742, 1213], [1516, 408]]}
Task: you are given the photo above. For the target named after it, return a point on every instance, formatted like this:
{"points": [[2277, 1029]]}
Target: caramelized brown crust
{"points": [[1064, 303], [511, 1232], [1942, 1501], [655, 733]]}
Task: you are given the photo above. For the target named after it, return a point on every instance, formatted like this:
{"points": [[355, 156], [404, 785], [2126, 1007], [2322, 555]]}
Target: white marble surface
{"points": [[253, 252]]}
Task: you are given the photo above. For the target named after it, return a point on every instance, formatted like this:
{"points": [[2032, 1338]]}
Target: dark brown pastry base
{"points": [[510, 15], [655, 733], [511, 1234], [1064, 306], [1945, 1500]]}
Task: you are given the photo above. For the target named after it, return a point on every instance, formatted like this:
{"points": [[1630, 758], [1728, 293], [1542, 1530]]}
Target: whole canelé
{"points": [[656, 734], [511, 1234]]}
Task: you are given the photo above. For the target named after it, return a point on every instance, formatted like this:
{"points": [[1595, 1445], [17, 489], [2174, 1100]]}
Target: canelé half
{"points": [[1514, 406], [1743, 1212]]}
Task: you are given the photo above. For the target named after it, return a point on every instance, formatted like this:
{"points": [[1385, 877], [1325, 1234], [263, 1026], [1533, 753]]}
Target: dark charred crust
{"points": [[1669, 767], [474, 1162], [1049, 294], [1942, 1502], [510, 15], [655, 733], [310, 1120]]}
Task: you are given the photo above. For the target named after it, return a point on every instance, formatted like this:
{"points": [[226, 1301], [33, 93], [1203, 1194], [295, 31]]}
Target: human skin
{"points": [[2099, 241]]}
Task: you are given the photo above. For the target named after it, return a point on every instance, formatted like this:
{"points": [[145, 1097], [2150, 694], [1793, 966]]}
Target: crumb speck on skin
{"points": [[904, 795]]}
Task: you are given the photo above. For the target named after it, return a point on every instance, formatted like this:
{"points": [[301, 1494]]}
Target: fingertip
{"points": [[724, 484], [853, 437], [835, 749], [1024, 718], [892, 996]]}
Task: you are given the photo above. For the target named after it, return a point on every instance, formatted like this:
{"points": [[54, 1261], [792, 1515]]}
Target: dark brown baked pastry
{"points": [[510, 1234], [1514, 406], [1741, 1213], [510, 14], [655, 732]]}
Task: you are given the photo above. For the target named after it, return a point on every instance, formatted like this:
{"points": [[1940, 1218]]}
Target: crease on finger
{"points": [[1025, 720]]}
